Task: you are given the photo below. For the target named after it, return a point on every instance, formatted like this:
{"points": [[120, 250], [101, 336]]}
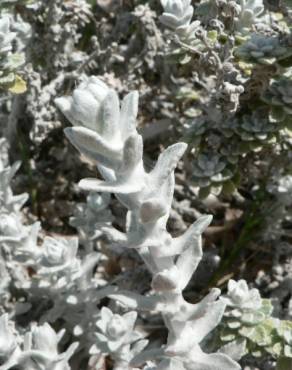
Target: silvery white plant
{"points": [[22, 30], [177, 16], [8, 341], [37, 349], [41, 350], [240, 296], [16, 238], [105, 133], [6, 35], [249, 13], [117, 336], [58, 256], [5, 280], [282, 189], [13, 234], [89, 217], [66, 280], [4, 160], [60, 276], [9, 203]]}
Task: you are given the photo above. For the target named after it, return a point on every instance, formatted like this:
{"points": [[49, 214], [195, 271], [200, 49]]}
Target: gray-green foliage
{"points": [[216, 166], [279, 94], [248, 325], [238, 99], [210, 170], [263, 49]]}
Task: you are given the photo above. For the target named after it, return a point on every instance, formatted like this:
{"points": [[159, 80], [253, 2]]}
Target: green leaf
{"points": [[228, 187], [212, 35], [277, 114], [204, 192], [19, 86]]}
